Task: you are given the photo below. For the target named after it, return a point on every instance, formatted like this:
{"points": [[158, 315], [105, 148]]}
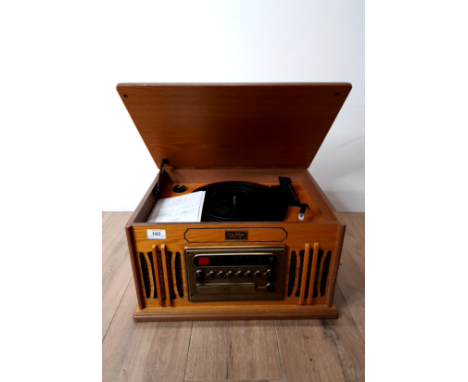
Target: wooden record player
{"points": [[246, 266]]}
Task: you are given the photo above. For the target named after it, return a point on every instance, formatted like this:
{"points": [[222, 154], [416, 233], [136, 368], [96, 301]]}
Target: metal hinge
{"points": [[156, 188]]}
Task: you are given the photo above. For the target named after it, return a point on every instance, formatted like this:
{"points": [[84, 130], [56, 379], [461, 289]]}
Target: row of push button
{"points": [[270, 274]]}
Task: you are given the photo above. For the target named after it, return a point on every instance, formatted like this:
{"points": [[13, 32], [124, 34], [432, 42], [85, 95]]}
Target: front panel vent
{"points": [[292, 273], [299, 279], [169, 275], [317, 272], [308, 274], [150, 256], [161, 275], [326, 268], [179, 275], [145, 274], [309, 269]]}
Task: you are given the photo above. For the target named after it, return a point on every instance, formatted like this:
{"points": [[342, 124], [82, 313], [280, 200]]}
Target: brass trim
{"points": [[239, 288]]}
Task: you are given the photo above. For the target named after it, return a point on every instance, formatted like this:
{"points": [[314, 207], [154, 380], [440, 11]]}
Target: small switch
{"points": [[271, 274], [179, 189], [200, 276]]}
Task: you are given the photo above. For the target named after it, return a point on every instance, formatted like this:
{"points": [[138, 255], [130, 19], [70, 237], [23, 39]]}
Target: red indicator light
{"points": [[203, 261]]}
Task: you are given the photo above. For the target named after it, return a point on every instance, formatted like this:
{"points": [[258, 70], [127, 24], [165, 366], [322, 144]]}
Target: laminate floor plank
{"points": [[249, 351], [144, 351], [115, 279], [233, 350], [116, 267], [112, 234], [105, 217], [351, 274], [355, 224], [322, 350], [349, 342]]}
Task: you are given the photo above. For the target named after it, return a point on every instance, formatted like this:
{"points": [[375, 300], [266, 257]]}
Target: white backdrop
{"points": [[239, 41]]}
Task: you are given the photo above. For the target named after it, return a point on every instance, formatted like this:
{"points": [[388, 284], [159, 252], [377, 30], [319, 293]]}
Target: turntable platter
{"points": [[243, 201]]}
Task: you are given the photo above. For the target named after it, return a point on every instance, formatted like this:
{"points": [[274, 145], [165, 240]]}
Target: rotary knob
{"points": [[212, 274], [271, 274], [230, 274], [200, 276], [258, 274], [270, 288], [221, 274], [240, 274], [249, 274], [179, 189]]}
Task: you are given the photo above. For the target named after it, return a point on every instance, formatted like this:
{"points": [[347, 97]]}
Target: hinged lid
{"points": [[234, 125]]}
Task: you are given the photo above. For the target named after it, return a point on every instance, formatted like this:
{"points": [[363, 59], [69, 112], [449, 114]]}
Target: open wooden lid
{"points": [[234, 125]]}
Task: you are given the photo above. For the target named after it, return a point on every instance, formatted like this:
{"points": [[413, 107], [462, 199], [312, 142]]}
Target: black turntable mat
{"points": [[243, 201]]}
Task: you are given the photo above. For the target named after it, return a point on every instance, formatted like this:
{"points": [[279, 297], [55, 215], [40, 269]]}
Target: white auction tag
{"points": [[156, 234]]}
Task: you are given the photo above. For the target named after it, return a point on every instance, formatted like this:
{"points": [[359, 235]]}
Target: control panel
{"points": [[235, 273]]}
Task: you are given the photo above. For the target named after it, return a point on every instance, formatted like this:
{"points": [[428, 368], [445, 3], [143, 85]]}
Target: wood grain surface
{"points": [[105, 217], [241, 125], [351, 275], [237, 350], [144, 351], [116, 268], [253, 351], [322, 350]]}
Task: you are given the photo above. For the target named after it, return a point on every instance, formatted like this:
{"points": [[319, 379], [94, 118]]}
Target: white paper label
{"points": [[156, 234], [186, 208]]}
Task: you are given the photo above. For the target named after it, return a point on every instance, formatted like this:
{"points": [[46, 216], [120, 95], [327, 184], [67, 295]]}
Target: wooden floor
{"points": [[293, 350]]}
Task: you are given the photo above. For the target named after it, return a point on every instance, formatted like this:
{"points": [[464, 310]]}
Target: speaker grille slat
{"points": [[299, 280], [169, 275], [161, 275], [317, 272], [179, 275], [309, 270], [326, 268], [292, 273], [150, 256], [145, 273]]}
